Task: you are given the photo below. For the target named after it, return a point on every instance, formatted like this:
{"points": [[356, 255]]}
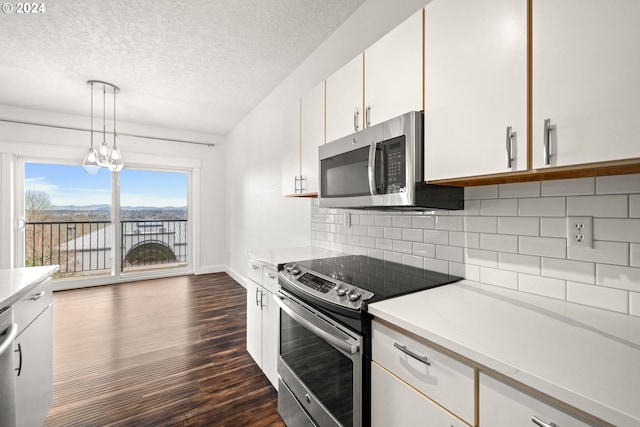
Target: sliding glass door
{"points": [[134, 223]]}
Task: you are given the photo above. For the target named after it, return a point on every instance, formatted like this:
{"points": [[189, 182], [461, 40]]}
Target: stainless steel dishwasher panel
{"points": [[8, 332]]}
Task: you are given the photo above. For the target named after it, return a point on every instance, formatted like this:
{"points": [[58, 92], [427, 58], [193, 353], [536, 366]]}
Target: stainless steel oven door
{"points": [[320, 363]]}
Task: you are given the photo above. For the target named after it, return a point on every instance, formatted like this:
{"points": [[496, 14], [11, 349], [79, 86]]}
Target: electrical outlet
{"points": [[580, 231], [347, 219]]}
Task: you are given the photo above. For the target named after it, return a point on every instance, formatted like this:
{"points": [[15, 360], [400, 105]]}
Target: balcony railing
{"points": [[85, 247]]}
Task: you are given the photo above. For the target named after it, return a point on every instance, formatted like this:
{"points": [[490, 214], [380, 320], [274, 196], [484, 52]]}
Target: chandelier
{"points": [[104, 156]]}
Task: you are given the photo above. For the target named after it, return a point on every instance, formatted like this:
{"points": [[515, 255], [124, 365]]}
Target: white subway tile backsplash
{"points": [[481, 224], [635, 255], [577, 271], [634, 206], [413, 234], [438, 265], [499, 207], [520, 263], [436, 237], [519, 225], [553, 227], [543, 246], [596, 296], [523, 189], [618, 184], [603, 252], [512, 235], [569, 187], [598, 206], [634, 303], [493, 276], [393, 257], [464, 239], [401, 221], [383, 220], [402, 247], [618, 277], [545, 286], [450, 223], [413, 261], [450, 253], [499, 242], [543, 206], [482, 192], [616, 230], [424, 250], [393, 233], [481, 258], [384, 244], [424, 222]]}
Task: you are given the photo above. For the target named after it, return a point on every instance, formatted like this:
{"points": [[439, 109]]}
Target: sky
{"points": [[70, 185]]}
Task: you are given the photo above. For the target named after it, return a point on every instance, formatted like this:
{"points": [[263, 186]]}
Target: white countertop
{"points": [[586, 357], [273, 257], [15, 282]]}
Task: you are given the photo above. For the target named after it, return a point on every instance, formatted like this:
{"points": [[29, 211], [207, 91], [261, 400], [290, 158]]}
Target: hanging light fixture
{"points": [[103, 157]]}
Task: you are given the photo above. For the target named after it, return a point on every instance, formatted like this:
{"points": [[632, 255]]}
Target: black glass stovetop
{"points": [[384, 278]]}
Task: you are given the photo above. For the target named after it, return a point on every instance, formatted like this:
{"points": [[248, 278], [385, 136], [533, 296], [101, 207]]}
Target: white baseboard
{"points": [[208, 269], [237, 277]]}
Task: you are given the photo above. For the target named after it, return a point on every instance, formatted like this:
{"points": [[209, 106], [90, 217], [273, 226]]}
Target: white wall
{"points": [[258, 216], [19, 140]]}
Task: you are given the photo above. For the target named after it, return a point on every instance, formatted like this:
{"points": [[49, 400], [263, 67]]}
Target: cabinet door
{"points": [[290, 148], [344, 100], [586, 63], [393, 403], [503, 405], [270, 337], [311, 136], [34, 377], [475, 87], [393, 72], [254, 321]]}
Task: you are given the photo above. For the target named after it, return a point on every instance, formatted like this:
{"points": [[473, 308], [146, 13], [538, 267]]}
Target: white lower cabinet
{"points": [[431, 374], [504, 406], [263, 320], [394, 403]]}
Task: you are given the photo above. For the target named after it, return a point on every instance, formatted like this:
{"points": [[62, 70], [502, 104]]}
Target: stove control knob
{"points": [[289, 267], [354, 295], [341, 290], [295, 270]]}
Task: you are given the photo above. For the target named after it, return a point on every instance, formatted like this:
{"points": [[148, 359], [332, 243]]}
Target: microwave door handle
{"points": [[372, 168]]}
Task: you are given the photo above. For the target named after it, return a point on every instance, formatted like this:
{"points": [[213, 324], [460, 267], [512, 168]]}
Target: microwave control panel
{"points": [[395, 165]]}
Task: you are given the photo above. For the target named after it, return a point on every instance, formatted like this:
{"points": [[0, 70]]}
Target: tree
{"points": [[36, 204]]}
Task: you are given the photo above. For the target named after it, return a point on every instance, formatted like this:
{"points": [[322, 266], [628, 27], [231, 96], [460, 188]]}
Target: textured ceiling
{"points": [[198, 65]]}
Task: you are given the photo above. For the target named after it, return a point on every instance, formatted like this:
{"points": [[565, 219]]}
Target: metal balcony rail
{"points": [[85, 247]]}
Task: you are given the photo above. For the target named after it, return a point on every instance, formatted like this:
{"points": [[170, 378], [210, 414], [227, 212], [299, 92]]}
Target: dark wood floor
{"points": [[168, 352]]}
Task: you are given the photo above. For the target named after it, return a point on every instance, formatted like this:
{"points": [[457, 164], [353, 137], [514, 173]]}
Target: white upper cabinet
{"points": [[291, 149], [475, 87], [393, 72], [586, 68], [344, 100], [311, 137]]}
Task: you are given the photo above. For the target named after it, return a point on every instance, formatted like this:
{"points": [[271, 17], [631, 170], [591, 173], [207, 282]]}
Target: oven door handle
{"points": [[330, 338]]}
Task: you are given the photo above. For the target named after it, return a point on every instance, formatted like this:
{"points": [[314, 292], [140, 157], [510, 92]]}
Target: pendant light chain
{"points": [[105, 156]]}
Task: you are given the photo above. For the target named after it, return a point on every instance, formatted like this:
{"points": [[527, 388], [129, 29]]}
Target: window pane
{"points": [[68, 219], [154, 219]]}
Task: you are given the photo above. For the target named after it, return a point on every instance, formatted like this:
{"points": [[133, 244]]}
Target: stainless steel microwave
{"points": [[382, 167]]}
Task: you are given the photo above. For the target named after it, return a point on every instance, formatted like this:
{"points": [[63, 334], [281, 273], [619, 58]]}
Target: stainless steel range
{"points": [[325, 334]]}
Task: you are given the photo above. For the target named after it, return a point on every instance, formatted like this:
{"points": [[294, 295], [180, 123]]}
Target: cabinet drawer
{"points": [[395, 403], [503, 405], [270, 279], [443, 379], [32, 304], [255, 271]]}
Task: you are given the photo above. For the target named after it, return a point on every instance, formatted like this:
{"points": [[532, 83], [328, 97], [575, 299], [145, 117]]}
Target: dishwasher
{"points": [[8, 332]]}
